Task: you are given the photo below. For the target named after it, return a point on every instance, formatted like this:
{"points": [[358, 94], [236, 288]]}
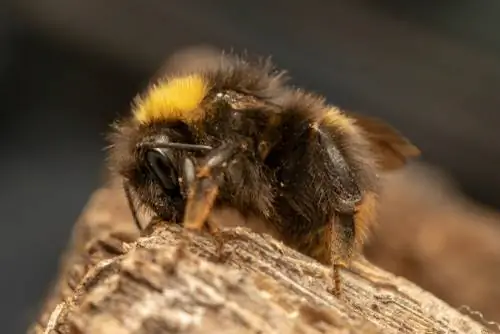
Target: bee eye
{"points": [[161, 166]]}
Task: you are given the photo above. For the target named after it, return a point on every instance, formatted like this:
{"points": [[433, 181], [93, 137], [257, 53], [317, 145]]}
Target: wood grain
{"points": [[151, 285]]}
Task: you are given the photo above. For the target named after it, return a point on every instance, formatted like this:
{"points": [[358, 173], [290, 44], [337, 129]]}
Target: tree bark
{"points": [[109, 283]]}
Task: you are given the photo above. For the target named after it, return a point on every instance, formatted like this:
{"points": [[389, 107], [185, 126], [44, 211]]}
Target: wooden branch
{"points": [[151, 285], [441, 240]]}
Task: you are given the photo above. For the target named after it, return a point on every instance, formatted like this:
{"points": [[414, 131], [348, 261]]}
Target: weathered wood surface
{"points": [[147, 286], [439, 239]]}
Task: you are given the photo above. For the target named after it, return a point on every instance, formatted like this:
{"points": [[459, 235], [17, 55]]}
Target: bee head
{"points": [[150, 165], [160, 161], [195, 121]]}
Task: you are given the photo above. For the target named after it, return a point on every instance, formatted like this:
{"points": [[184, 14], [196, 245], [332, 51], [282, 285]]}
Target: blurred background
{"points": [[430, 68]]}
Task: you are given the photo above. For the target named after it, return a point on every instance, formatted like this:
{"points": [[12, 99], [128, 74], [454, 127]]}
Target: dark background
{"points": [[68, 67]]}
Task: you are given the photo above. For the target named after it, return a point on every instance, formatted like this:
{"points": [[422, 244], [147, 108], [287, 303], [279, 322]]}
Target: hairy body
{"points": [[258, 145]]}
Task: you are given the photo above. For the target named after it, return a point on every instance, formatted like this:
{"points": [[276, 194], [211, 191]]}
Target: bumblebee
{"points": [[216, 129]]}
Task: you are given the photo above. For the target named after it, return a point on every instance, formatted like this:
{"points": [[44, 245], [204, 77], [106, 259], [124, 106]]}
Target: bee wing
{"points": [[392, 148]]}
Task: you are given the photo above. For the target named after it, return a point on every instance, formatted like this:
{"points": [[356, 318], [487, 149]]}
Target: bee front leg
{"points": [[217, 234]]}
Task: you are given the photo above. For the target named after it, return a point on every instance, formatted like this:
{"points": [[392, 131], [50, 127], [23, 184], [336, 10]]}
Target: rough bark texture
{"points": [[151, 286], [433, 235]]}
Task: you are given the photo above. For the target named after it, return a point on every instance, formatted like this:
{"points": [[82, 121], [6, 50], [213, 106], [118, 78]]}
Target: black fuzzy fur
{"points": [[297, 187]]}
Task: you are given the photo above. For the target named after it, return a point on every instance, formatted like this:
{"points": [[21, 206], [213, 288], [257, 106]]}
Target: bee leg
{"points": [[217, 233], [336, 289], [359, 269], [203, 187], [342, 239], [182, 245], [200, 201], [364, 216], [345, 245]]}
